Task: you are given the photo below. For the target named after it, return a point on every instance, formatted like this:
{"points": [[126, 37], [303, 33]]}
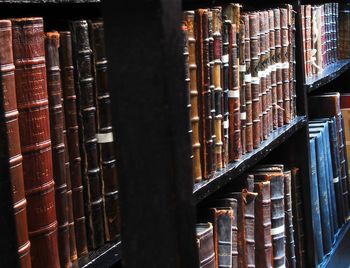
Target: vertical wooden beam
{"points": [[146, 80]]}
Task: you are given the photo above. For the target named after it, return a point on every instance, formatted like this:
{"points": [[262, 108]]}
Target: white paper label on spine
{"points": [[248, 78], [255, 80], [104, 137], [278, 65], [226, 124], [233, 93], [224, 58], [242, 68], [285, 65], [243, 116], [335, 180], [278, 230], [273, 68]]}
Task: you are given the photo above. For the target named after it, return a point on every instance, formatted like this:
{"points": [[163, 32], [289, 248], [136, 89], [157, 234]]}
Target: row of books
{"points": [[240, 77], [251, 224], [61, 152], [329, 165]]}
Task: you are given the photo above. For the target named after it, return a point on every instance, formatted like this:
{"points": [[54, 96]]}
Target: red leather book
{"points": [[34, 127], [12, 128], [262, 76], [196, 146], [108, 165], [68, 87], [57, 140], [273, 70], [84, 85]]}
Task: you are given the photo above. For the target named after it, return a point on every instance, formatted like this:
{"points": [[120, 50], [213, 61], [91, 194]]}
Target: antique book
{"points": [[323, 38], [278, 62], [248, 87], [302, 18], [196, 146], [14, 144], [298, 218], [308, 40], [345, 111], [268, 108], [261, 74], [344, 31], [254, 67], [84, 86], [262, 211], [108, 163], [292, 62], [273, 70], [345, 158], [204, 108], [205, 242], [289, 227], [241, 124], [34, 128], [70, 107], [54, 89]]}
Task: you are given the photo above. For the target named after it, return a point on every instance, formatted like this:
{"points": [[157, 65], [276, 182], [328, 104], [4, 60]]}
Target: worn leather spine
{"points": [[34, 126], [242, 84], [308, 39], [262, 211], [71, 118], [105, 140], [255, 85], [203, 74], [196, 146], [344, 31], [54, 89], [262, 76], [273, 70], [7, 69], [205, 242], [268, 75], [291, 59], [84, 84], [289, 227]]}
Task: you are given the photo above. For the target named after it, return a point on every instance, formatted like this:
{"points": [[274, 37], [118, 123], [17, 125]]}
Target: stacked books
{"points": [[61, 151], [251, 224], [329, 165], [241, 81]]}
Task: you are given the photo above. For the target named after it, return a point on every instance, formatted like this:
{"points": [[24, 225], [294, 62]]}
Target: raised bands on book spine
{"points": [[242, 85], [273, 70]]}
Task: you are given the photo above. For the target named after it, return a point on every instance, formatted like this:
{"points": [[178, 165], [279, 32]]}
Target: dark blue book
{"points": [[323, 192], [315, 204]]}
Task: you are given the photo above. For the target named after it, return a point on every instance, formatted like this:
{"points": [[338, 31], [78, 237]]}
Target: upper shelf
{"points": [[207, 187], [329, 73]]}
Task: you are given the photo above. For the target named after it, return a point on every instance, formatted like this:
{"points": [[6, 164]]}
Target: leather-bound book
{"points": [[54, 89], [217, 47], [205, 242], [262, 211], [292, 62], [34, 127], [323, 37], [344, 31], [273, 70], [298, 218], [255, 85], [70, 107], [108, 165], [196, 146], [268, 75], [285, 65], [248, 87], [203, 74], [242, 85], [302, 18], [12, 128], [308, 39], [289, 228], [278, 62], [262, 76], [84, 85]]}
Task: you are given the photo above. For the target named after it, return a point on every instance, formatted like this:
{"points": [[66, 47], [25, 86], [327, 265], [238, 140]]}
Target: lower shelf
{"points": [[105, 256]]}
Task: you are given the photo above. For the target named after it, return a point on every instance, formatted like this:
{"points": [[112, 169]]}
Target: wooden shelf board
{"points": [[329, 73], [105, 256], [207, 187]]}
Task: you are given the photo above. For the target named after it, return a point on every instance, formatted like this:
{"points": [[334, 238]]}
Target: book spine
{"points": [[289, 228], [242, 86], [105, 140], [273, 70], [249, 219], [262, 77], [254, 67], [248, 87], [285, 65], [268, 75], [14, 144], [308, 39], [262, 211], [292, 64], [34, 126], [234, 235], [84, 84], [345, 167], [205, 242], [323, 37], [302, 15], [278, 60], [68, 87], [224, 237], [196, 146], [57, 142], [203, 73], [344, 33]]}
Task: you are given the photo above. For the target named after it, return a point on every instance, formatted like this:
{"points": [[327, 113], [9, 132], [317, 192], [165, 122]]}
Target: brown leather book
{"points": [[344, 31], [54, 89], [84, 85], [285, 65], [205, 242], [248, 116], [242, 84], [108, 163], [203, 75], [289, 229], [255, 83], [292, 62], [68, 87], [262, 211], [273, 70], [34, 127], [12, 128], [308, 39], [196, 146], [262, 76], [268, 75]]}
